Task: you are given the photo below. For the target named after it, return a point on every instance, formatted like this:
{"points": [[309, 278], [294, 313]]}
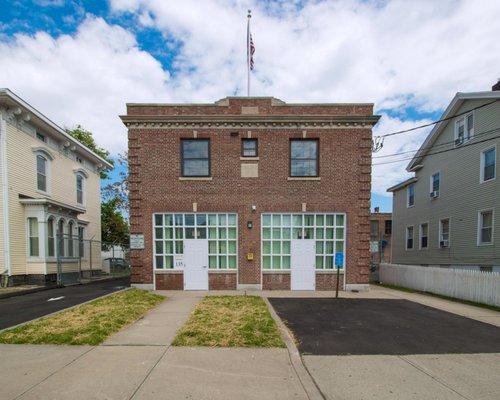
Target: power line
{"points": [[440, 152], [435, 145], [435, 122]]}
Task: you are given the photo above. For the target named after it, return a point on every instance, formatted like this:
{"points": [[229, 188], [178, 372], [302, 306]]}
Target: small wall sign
{"points": [[339, 259], [137, 241], [179, 261]]}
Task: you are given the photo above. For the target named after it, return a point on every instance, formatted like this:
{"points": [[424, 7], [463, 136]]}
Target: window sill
{"points": [[276, 271], [485, 244], [195, 178], [168, 271], [43, 193], [330, 271], [222, 271], [304, 178], [249, 158], [489, 180]]}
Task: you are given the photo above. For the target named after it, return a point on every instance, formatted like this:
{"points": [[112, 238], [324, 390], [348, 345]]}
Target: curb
{"points": [[310, 387], [60, 311]]}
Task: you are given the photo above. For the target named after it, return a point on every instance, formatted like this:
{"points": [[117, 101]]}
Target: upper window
{"points": [[410, 196], [41, 173], [435, 184], [41, 137], [80, 181], [488, 164], [374, 229], [464, 128], [303, 157], [388, 227], [485, 227], [33, 246], [444, 233], [409, 237], [195, 157], [424, 236], [249, 148]]}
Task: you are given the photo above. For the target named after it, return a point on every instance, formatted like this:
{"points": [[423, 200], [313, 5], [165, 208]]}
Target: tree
{"points": [[114, 226], [119, 189], [85, 137]]}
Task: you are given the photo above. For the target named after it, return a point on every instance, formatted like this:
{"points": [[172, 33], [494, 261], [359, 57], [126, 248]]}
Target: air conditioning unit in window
{"points": [[443, 244], [459, 141], [434, 194]]}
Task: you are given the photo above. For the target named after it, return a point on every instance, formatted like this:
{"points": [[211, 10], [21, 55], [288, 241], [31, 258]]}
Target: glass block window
{"points": [[171, 229], [328, 230]]}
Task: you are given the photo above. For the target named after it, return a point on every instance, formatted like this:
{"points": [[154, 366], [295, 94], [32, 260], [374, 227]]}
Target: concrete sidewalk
{"points": [[139, 363]]}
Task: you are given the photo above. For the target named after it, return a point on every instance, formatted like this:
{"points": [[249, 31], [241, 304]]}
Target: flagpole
{"points": [[248, 52]]}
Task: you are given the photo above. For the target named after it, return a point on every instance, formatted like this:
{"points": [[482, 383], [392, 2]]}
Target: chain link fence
{"points": [[84, 260]]}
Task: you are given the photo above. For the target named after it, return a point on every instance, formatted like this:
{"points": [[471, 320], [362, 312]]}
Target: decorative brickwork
{"points": [[154, 136]]}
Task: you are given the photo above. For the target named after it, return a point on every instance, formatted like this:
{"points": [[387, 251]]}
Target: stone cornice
{"points": [[247, 121]]}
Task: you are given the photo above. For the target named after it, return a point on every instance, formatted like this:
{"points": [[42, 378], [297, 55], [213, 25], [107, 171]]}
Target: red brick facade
{"points": [[344, 134]]}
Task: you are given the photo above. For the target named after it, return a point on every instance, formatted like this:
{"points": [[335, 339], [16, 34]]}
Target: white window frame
{"points": [[47, 172], [408, 205], [431, 181], [82, 176], [412, 237], [482, 161], [315, 227], [51, 221], [440, 236], [420, 230], [480, 227], [29, 236], [463, 119]]}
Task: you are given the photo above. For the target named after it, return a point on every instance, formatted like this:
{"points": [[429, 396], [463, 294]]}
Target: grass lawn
{"points": [[230, 321], [90, 323]]}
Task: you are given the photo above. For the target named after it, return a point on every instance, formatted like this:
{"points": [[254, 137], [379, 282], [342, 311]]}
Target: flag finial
{"points": [[249, 14]]}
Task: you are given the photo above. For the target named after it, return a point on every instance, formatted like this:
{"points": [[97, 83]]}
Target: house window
{"points": [[435, 184], [41, 173], [388, 227], [70, 239], [464, 129], [374, 229], [51, 250], [79, 188], [409, 237], [195, 157], [410, 196], [278, 231], [221, 230], [249, 148], [60, 238], [485, 227], [81, 233], [424, 235], [33, 246], [444, 233], [41, 137], [303, 158], [488, 164]]}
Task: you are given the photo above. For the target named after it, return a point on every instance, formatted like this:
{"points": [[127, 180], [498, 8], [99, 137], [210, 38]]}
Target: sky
{"points": [[79, 62]]}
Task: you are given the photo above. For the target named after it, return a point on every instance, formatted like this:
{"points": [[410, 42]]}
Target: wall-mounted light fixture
{"points": [[254, 207], [249, 224]]}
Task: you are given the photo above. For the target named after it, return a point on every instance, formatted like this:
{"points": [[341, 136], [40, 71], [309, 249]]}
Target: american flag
{"points": [[252, 50]]}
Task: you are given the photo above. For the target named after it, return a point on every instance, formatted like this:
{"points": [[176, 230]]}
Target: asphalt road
{"points": [[381, 326], [18, 309]]}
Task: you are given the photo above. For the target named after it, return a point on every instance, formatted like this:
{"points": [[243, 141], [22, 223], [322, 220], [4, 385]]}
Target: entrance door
{"points": [[195, 264], [303, 274]]}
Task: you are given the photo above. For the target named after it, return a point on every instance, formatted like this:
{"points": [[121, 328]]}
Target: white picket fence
{"points": [[481, 287]]}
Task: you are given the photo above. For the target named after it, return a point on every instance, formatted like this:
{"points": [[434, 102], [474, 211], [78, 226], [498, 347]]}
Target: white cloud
{"points": [[85, 78], [397, 54]]}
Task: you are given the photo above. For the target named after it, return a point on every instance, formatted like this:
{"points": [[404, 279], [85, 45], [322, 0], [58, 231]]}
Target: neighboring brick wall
{"points": [[345, 170], [381, 235], [275, 281], [222, 281], [169, 281]]}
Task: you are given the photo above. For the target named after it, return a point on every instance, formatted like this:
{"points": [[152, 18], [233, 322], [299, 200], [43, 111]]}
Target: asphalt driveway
{"points": [[327, 326], [18, 309]]}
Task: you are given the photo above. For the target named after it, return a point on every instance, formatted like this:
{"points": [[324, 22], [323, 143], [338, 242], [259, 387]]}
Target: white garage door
{"points": [[303, 273], [195, 264]]}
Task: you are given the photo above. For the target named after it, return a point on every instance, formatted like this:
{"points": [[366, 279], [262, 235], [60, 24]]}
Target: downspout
{"points": [[5, 193]]}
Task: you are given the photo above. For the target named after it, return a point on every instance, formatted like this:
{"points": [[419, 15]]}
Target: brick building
{"points": [[250, 193], [380, 236]]}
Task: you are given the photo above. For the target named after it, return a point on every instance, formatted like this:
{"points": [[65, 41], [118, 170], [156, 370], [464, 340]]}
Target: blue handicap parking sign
{"points": [[339, 259]]}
